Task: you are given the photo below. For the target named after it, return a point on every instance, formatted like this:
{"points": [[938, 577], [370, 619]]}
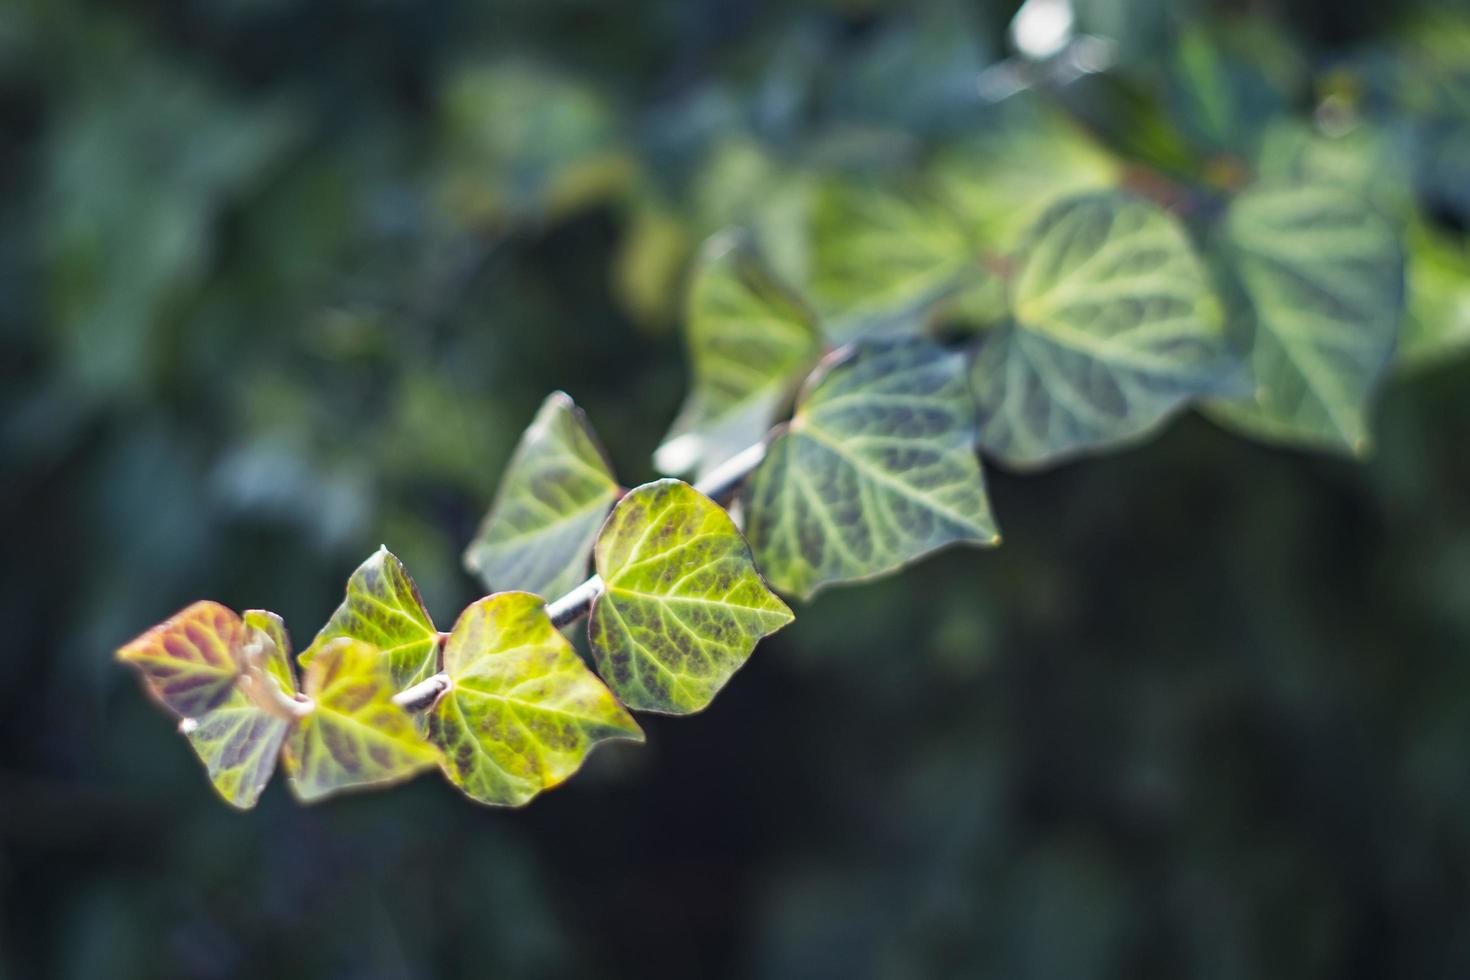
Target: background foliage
{"points": [[282, 280]]}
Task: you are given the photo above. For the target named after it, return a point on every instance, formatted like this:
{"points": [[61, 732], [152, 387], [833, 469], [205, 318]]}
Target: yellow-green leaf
{"points": [[521, 711], [189, 662], [1114, 327], [683, 605], [383, 610], [357, 736], [876, 469], [1321, 277], [750, 339], [555, 494]]}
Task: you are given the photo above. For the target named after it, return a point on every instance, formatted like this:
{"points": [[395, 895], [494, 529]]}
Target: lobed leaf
{"points": [[750, 339], [383, 610], [200, 664], [522, 711], [357, 737], [554, 496], [1321, 277], [1114, 327], [882, 259], [876, 469], [683, 605]]}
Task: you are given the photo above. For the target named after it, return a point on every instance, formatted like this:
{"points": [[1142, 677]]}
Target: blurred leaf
{"points": [[384, 611], [683, 604], [649, 262], [525, 141], [521, 711], [554, 495], [357, 737], [1228, 80], [1115, 327], [882, 258], [750, 339], [1322, 282], [740, 185], [1437, 326], [876, 469], [1026, 157]]}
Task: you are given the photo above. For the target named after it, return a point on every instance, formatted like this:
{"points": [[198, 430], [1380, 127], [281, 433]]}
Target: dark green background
{"points": [[1206, 713]]}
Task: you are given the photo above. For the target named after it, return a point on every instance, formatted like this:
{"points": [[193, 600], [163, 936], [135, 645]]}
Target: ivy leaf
{"points": [[1026, 158], [881, 259], [1114, 327], [750, 339], [522, 711], [199, 664], [383, 610], [1321, 278], [555, 494], [189, 663], [876, 469], [357, 736], [1437, 328], [683, 605]]}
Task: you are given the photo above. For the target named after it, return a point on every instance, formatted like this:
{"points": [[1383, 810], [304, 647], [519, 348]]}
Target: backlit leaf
{"points": [[1321, 276], [1438, 324], [749, 339], [201, 664], [522, 710], [876, 469], [881, 259], [555, 494], [383, 610], [1114, 327], [683, 605], [357, 736]]}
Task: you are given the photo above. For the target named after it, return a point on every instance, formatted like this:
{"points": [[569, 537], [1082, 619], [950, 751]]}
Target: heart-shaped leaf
{"points": [[882, 259], [1114, 327], [383, 610], [521, 711], [201, 665], [683, 605], [750, 339], [554, 496], [876, 469], [1321, 278], [357, 736]]}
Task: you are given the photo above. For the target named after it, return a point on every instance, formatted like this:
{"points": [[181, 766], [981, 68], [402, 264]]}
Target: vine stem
{"points": [[719, 485]]}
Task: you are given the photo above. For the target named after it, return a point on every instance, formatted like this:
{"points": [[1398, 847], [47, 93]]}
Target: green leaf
{"points": [[881, 259], [1437, 328], [1321, 278], [521, 711], [383, 609], [750, 339], [876, 469], [1114, 327], [1026, 158], [683, 605], [357, 736], [554, 496], [201, 665]]}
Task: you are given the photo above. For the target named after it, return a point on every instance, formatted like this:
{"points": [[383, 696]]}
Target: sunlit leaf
{"points": [[1437, 327], [200, 664], [522, 711], [1322, 281], [1026, 158], [882, 258], [383, 610], [876, 469], [750, 339], [357, 736], [1114, 327], [683, 605], [555, 494], [189, 663]]}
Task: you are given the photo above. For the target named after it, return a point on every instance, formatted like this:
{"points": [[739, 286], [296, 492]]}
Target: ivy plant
{"points": [[1025, 289]]}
